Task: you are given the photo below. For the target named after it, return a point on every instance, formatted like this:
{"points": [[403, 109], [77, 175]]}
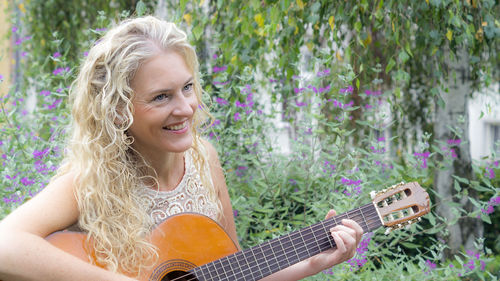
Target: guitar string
{"points": [[218, 275], [226, 275], [355, 214], [303, 249]]}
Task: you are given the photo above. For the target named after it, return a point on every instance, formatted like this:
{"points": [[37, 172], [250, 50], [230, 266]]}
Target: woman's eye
{"points": [[160, 97], [188, 87]]}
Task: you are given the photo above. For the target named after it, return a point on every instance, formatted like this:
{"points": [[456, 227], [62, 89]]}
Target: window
{"points": [[493, 138]]}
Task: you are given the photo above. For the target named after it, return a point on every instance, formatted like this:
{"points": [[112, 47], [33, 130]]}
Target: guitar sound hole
{"points": [[178, 275]]}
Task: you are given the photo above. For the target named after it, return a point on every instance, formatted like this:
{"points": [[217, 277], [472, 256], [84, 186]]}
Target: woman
{"points": [[135, 157]]}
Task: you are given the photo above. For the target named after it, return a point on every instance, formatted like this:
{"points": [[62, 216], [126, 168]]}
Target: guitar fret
{"points": [[251, 267], [227, 261], [284, 251], [270, 270], [273, 248], [292, 246], [223, 273], [209, 271], [365, 229], [239, 272], [198, 273], [304, 243], [327, 231], [315, 240]]}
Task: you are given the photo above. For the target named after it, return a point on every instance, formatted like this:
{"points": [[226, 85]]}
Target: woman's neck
{"points": [[169, 170]]}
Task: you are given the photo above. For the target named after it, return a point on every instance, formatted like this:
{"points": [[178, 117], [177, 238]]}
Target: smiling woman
{"points": [[135, 160], [164, 104]]}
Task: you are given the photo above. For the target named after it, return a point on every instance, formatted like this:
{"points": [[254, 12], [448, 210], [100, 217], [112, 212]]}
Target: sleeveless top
{"points": [[188, 196]]}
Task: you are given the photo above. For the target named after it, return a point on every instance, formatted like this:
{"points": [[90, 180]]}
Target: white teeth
{"points": [[176, 128]]}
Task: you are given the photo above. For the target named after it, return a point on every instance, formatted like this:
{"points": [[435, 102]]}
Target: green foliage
{"points": [[261, 82]]}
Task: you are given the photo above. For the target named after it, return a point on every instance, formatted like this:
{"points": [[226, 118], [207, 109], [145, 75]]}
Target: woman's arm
{"points": [[26, 255], [220, 186], [346, 236]]}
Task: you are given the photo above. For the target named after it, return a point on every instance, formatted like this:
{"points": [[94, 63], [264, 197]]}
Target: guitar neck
{"points": [[274, 255]]}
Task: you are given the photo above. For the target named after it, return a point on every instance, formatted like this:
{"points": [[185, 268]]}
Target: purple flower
{"points": [[454, 142], [44, 93], [490, 173], [354, 185], [222, 101], [430, 264], [495, 201], [1, 77], [235, 213], [357, 263], [215, 56], [54, 104], [217, 69], [373, 93], [56, 55], [14, 29], [60, 70], [322, 73], [27, 182], [40, 154], [470, 265], [349, 89], [292, 181], [423, 157], [325, 89], [216, 122], [300, 104], [298, 90], [237, 116]]}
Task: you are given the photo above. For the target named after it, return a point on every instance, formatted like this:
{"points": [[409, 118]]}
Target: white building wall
{"points": [[484, 122]]}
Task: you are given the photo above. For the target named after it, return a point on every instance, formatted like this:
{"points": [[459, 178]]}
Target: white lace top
{"points": [[189, 196]]}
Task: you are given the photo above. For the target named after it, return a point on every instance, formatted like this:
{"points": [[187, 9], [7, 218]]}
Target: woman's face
{"points": [[164, 105]]}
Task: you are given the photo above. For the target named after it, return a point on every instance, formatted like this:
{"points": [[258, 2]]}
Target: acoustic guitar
{"points": [[194, 247]]}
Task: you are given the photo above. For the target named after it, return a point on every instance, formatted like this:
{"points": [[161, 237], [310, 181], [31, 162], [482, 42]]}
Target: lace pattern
{"points": [[189, 196]]}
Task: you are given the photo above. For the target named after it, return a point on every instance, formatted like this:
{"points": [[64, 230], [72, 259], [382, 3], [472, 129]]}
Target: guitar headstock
{"points": [[401, 205]]}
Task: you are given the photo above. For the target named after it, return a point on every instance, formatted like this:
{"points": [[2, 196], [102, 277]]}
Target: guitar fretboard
{"points": [[274, 255]]}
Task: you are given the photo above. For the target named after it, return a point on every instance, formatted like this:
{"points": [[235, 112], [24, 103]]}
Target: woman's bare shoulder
{"points": [[52, 209]]}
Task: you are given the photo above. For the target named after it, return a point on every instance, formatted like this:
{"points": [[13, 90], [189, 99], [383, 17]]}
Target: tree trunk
{"points": [[452, 125]]}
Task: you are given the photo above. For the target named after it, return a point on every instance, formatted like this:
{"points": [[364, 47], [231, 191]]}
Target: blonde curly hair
{"points": [[108, 172]]}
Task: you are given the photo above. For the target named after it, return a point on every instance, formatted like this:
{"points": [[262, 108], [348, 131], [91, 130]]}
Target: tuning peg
{"points": [[373, 194], [408, 226]]}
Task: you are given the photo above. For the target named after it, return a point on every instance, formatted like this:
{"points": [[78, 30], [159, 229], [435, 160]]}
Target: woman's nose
{"points": [[184, 105]]}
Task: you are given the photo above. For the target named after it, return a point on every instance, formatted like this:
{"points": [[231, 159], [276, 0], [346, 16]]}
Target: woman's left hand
{"points": [[346, 236]]}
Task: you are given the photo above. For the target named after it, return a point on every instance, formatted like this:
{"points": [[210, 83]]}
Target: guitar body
{"points": [[184, 241], [194, 247]]}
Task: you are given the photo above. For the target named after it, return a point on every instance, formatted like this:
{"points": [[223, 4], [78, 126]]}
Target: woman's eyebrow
{"points": [[166, 90]]}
